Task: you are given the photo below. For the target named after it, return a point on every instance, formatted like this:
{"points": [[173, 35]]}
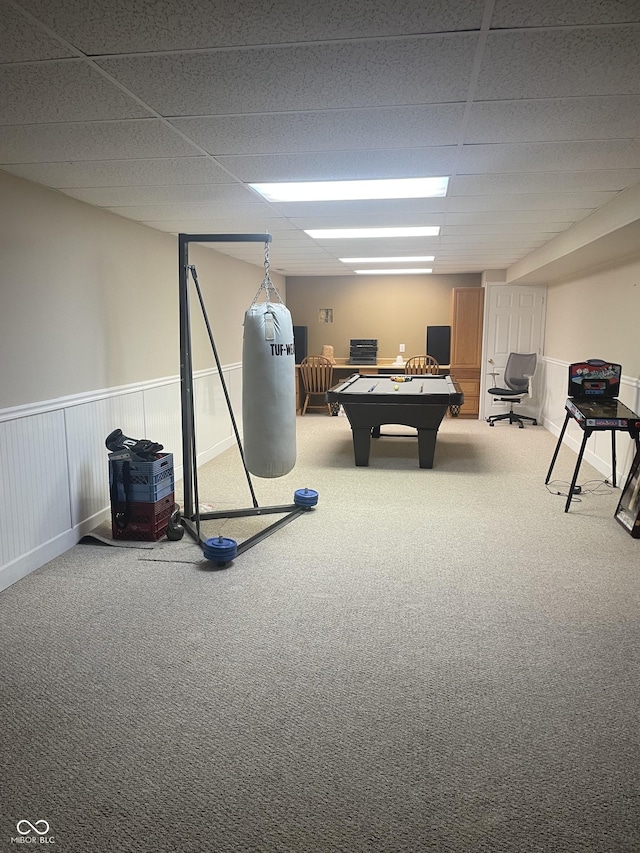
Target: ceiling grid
{"points": [[164, 112]]}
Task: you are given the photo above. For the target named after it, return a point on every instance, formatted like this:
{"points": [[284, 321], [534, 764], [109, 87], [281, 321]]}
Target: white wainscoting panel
{"points": [[214, 432], [235, 393], [34, 499], [630, 396], [163, 420], [54, 466], [88, 425]]}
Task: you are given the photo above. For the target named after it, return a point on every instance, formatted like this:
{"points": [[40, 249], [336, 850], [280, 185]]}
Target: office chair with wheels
{"points": [[316, 373], [421, 364], [518, 372]]}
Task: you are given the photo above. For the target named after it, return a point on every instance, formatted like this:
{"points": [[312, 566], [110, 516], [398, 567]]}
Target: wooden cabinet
{"points": [[467, 306]]}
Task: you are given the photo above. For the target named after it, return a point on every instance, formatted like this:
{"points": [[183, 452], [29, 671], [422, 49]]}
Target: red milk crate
{"points": [[146, 523]]}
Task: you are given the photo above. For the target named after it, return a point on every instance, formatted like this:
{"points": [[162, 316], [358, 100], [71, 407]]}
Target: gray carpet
{"points": [[430, 660]]}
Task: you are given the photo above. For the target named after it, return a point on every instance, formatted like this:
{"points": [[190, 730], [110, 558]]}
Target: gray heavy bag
{"points": [[268, 390]]}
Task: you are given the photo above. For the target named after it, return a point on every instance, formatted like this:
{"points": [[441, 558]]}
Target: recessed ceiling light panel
{"points": [[394, 272], [345, 190], [407, 260], [357, 233]]}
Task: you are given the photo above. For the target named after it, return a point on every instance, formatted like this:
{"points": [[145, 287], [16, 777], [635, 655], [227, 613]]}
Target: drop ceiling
{"points": [[163, 112]]}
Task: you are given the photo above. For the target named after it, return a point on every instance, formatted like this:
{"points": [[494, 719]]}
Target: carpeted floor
{"points": [[430, 660]]}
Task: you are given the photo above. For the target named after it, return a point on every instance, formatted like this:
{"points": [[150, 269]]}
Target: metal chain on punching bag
{"points": [[268, 383], [267, 286]]}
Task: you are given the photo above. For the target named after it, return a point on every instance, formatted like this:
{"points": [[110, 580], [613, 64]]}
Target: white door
{"points": [[513, 322]]}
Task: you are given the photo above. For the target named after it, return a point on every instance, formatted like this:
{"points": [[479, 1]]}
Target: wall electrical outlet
{"points": [[401, 348]]}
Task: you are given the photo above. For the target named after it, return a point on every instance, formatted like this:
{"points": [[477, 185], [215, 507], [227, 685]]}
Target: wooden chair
{"points": [[316, 373], [421, 364]]}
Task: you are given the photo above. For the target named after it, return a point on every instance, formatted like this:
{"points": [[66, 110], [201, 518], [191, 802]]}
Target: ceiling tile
{"points": [[197, 211], [342, 165], [531, 201], [382, 127], [388, 246], [189, 194], [99, 141], [301, 77], [554, 120], [207, 225], [550, 157], [608, 179], [451, 246], [353, 209], [314, 269], [310, 90], [290, 234], [461, 257], [367, 221], [486, 250], [522, 241], [582, 61], [285, 250], [124, 26], [173, 171], [526, 217], [503, 229], [68, 90], [22, 40], [551, 13]]}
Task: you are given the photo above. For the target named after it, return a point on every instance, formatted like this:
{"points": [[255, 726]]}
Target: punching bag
{"points": [[268, 390]]}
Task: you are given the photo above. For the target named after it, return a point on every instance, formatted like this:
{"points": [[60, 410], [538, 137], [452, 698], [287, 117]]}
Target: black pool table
{"points": [[416, 401]]}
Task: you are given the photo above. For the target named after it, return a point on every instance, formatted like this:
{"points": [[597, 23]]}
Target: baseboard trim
{"points": [[47, 551], [38, 557]]}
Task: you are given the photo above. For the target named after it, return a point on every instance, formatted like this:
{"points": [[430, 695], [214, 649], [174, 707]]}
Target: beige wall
{"points": [[392, 309], [228, 287], [597, 315], [89, 300]]}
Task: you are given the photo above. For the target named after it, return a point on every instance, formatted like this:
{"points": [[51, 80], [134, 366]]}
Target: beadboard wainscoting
{"points": [[54, 463], [551, 381], [54, 470]]}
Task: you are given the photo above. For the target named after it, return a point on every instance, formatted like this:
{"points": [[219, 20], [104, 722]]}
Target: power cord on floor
{"points": [[590, 487]]}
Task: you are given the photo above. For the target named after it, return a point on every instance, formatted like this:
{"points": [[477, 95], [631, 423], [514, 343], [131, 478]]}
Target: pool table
{"points": [[416, 401]]}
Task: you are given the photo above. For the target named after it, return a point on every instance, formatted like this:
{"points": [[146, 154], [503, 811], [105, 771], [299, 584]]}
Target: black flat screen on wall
{"points": [[439, 343]]}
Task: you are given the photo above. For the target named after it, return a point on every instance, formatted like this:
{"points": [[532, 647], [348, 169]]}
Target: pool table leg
{"points": [[426, 447], [361, 444]]}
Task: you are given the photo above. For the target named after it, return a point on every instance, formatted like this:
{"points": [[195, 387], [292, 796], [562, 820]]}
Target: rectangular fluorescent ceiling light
{"points": [[344, 190], [393, 272], [408, 260], [356, 233]]}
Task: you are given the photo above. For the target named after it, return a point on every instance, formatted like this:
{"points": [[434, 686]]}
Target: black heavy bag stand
{"points": [[219, 550]]}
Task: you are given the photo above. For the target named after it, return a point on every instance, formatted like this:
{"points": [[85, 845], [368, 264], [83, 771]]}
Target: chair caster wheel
{"points": [[491, 423]]}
